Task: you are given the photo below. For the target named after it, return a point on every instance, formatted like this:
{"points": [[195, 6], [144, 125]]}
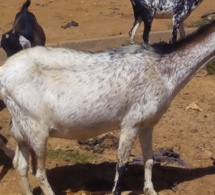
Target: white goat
{"points": [[147, 10], [64, 93]]}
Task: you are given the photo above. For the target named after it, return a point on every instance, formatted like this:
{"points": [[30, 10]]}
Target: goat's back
{"points": [[62, 87]]}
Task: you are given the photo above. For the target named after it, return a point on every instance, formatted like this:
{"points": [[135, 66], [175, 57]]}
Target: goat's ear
{"points": [[25, 43]]}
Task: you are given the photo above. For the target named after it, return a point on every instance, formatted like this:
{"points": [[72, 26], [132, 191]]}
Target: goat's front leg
{"points": [[126, 141], [174, 34], [145, 137], [177, 19]]}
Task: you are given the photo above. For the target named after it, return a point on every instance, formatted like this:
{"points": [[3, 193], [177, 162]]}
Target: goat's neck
{"points": [[182, 64]]}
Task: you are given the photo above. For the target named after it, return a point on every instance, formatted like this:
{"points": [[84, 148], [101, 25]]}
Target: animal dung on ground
{"points": [[99, 144], [163, 156], [70, 24]]}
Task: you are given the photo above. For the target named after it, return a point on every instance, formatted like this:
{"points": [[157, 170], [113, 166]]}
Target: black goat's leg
{"points": [[181, 29], [176, 22], [147, 29], [133, 30], [137, 22]]}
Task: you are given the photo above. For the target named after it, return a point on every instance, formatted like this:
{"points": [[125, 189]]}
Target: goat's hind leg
{"points": [[21, 157], [38, 159], [126, 141], [145, 137], [137, 22], [132, 32], [20, 163], [181, 30], [36, 146]]}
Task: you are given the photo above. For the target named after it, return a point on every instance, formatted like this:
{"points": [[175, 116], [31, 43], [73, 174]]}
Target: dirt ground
{"points": [[189, 132]]}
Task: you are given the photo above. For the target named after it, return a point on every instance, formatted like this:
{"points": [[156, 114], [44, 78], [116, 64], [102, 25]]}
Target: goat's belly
{"points": [[84, 132]]}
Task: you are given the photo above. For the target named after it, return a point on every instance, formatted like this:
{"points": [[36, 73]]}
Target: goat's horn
{"points": [[208, 13], [2, 30]]}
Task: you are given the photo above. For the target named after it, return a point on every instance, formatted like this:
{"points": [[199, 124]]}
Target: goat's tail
{"points": [[26, 5]]}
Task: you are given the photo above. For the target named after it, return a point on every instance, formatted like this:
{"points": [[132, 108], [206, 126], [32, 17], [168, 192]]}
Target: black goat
{"points": [[26, 32]]}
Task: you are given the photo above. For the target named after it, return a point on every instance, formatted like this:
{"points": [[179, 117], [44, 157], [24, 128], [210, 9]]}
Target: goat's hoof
{"points": [[149, 191]]}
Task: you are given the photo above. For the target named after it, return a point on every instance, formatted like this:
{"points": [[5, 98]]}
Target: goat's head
{"points": [[12, 42]]}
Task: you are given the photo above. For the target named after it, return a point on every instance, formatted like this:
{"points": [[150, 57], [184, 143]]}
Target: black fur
{"points": [[25, 25]]}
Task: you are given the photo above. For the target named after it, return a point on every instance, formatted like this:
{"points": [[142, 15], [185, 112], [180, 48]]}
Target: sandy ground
{"points": [[188, 132]]}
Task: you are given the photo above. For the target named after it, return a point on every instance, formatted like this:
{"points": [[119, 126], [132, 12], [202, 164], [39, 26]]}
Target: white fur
{"points": [[64, 93], [25, 43]]}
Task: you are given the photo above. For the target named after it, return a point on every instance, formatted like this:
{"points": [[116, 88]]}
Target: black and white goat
{"points": [[26, 32], [70, 94], [147, 10]]}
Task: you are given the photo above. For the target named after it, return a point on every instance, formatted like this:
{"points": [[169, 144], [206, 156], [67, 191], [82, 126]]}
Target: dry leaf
{"points": [[193, 106]]}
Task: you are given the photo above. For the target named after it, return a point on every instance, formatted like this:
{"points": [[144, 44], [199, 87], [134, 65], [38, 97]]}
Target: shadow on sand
{"points": [[6, 164], [2, 105], [98, 178]]}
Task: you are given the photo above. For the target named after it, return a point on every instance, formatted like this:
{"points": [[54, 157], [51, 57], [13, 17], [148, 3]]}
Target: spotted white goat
{"points": [[70, 94], [147, 10]]}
